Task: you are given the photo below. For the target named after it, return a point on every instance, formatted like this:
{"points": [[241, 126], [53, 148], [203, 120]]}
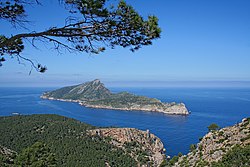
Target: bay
{"points": [[223, 106]]}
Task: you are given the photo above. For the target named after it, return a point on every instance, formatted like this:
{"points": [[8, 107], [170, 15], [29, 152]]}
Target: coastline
{"points": [[176, 109]]}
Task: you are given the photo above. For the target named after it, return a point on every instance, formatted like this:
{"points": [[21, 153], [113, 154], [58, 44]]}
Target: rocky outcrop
{"points": [[7, 156], [215, 144], [94, 94], [145, 147], [176, 109]]}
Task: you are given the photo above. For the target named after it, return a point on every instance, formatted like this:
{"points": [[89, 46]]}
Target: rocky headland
{"points": [[215, 145], [143, 146], [95, 95]]}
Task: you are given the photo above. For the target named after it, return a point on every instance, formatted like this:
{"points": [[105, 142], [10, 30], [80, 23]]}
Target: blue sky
{"points": [[202, 41]]}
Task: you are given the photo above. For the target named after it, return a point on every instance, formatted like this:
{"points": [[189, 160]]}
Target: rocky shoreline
{"points": [[171, 108], [177, 109], [215, 144]]}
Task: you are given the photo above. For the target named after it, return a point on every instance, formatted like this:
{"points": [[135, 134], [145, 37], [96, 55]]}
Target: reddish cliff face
{"points": [[146, 148]]}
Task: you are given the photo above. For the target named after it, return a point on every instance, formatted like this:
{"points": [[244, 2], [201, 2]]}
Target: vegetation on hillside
{"points": [[226, 147], [93, 90], [239, 156], [51, 140], [125, 99], [37, 155], [65, 138]]}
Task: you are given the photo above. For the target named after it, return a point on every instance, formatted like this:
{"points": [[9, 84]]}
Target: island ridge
{"points": [[94, 94]]}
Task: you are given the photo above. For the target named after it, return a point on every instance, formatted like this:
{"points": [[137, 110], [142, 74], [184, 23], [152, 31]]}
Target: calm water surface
{"points": [[222, 106]]}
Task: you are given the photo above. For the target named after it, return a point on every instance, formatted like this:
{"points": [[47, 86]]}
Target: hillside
{"points": [[226, 147], [71, 143], [94, 94], [87, 91]]}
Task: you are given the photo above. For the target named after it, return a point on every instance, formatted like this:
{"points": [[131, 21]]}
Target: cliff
{"points": [[216, 146], [146, 148], [94, 94]]}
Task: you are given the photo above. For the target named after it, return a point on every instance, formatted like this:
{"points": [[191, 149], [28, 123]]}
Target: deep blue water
{"points": [[222, 106]]}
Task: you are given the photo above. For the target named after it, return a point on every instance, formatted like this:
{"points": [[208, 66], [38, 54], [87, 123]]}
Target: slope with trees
{"points": [[65, 141], [52, 140]]}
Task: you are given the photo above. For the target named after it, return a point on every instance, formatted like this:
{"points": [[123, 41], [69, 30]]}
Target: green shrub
{"points": [[164, 163], [173, 160], [192, 147], [213, 127]]}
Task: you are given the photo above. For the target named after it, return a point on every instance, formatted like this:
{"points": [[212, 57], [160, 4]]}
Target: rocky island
{"points": [[94, 94]]}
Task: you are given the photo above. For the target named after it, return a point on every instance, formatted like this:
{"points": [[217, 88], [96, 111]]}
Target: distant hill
{"points": [[77, 144], [94, 94], [94, 90]]}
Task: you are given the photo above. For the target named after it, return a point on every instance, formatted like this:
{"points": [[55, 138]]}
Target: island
{"points": [[95, 95]]}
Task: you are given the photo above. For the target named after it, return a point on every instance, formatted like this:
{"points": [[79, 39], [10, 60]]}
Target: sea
{"points": [[223, 106]]}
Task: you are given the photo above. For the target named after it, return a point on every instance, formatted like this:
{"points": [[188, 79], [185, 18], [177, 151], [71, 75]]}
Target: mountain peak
{"points": [[96, 81], [92, 90]]}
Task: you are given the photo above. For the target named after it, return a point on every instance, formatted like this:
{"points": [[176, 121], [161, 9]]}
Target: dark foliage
{"points": [[213, 127], [66, 139], [37, 155]]}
